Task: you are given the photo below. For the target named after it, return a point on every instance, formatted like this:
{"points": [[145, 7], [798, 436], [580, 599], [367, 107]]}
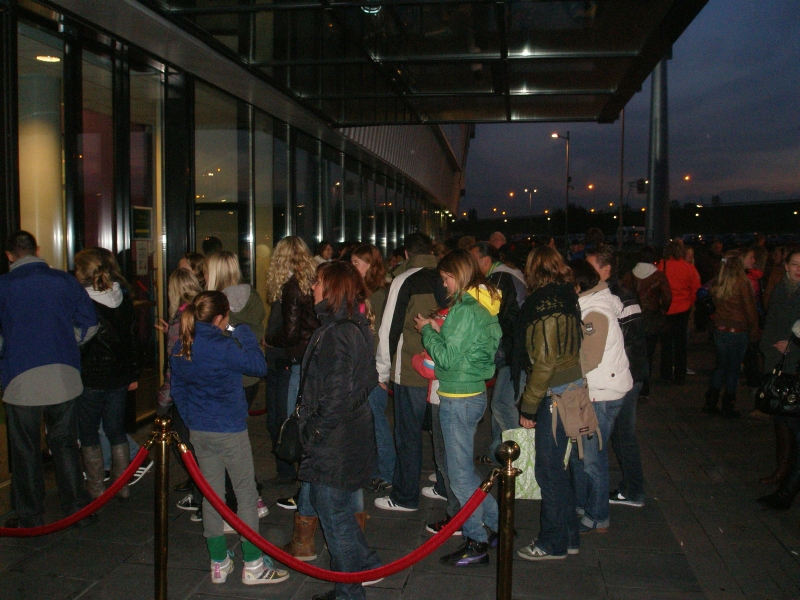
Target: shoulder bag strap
{"points": [[304, 364]]}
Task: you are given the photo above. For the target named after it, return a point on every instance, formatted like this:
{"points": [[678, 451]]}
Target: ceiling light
{"points": [[48, 59]]}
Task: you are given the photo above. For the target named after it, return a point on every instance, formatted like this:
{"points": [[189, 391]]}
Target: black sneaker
{"points": [[471, 554], [289, 503], [439, 525], [197, 516], [379, 485]]}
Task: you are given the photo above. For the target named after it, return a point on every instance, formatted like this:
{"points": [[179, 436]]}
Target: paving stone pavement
{"points": [[700, 534]]}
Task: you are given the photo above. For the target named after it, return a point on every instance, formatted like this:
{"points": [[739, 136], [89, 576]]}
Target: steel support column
{"points": [[657, 231]]}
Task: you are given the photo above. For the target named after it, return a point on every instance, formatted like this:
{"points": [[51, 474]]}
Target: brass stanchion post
{"points": [[163, 433], [508, 452]]}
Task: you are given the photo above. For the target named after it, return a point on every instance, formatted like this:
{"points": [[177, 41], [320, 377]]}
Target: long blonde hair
{"points": [[730, 276], [544, 266], [222, 271], [182, 288], [290, 257]]}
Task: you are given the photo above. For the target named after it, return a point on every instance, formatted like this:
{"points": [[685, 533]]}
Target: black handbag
{"points": [[289, 444], [780, 392]]}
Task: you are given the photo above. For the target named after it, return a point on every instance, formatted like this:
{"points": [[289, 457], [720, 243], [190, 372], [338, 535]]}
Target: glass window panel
{"points": [[96, 147], [146, 97], [391, 216], [280, 176], [306, 201], [352, 201], [332, 200], [216, 174], [368, 211], [41, 176], [263, 193], [380, 213]]}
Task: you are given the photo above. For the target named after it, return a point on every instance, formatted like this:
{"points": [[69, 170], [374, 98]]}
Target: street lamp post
{"points": [[530, 192], [566, 206]]}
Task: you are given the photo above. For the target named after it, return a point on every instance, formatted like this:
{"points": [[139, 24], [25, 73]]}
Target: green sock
{"points": [[217, 548], [250, 551]]}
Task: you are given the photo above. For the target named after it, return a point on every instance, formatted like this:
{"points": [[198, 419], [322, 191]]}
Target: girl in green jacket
{"points": [[463, 350]]}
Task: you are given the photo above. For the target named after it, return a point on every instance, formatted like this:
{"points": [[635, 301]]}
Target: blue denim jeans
{"points": [[378, 398], [623, 439], [346, 542], [410, 404], [459, 418], [106, 406], [504, 410], [558, 522], [590, 475], [27, 476], [306, 509], [731, 348], [442, 486]]}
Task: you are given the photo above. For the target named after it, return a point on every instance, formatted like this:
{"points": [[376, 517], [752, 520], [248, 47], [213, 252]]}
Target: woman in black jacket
{"points": [[291, 322], [339, 450], [108, 369]]}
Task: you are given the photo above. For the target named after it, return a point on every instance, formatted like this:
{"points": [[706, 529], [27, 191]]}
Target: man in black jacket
{"points": [[504, 410], [630, 491]]}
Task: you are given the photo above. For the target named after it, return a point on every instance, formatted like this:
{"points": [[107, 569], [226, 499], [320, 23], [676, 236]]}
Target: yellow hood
{"points": [[482, 295]]}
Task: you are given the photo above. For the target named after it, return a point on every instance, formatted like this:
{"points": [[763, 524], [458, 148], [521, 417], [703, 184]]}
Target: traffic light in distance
{"points": [[641, 186]]}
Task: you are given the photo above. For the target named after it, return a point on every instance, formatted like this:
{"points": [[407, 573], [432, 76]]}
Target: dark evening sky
{"points": [[734, 125]]}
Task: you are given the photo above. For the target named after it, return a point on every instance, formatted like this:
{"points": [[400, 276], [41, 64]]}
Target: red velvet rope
{"points": [[87, 510], [303, 567], [257, 412]]}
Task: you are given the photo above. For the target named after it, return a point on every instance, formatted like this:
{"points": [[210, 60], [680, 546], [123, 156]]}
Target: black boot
{"points": [[712, 397], [782, 499], [472, 553], [728, 402]]}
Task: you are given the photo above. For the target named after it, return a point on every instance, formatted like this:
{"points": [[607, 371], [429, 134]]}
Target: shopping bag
{"points": [[526, 488]]}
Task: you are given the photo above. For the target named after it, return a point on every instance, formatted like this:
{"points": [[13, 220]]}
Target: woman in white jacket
{"points": [[605, 366]]}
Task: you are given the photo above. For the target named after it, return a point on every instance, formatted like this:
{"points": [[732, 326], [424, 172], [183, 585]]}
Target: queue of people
{"points": [[344, 333]]}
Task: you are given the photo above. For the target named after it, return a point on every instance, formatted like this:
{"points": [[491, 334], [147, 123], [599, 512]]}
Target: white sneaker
{"points": [[386, 503], [261, 571], [226, 528], [263, 511], [220, 569], [140, 472], [430, 492], [431, 477]]}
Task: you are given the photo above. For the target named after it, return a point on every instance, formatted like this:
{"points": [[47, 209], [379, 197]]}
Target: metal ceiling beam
{"points": [[448, 58], [476, 95], [310, 4]]}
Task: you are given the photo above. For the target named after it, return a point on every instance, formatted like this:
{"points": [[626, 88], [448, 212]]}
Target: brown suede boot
{"points": [[783, 455], [93, 467], [362, 517], [302, 544], [120, 459]]}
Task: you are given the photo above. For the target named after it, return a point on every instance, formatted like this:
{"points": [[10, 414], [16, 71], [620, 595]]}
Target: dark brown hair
{"points": [[342, 286], [376, 274]]}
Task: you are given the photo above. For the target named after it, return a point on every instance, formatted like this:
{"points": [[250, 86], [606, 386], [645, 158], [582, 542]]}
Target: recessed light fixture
{"points": [[48, 59]]}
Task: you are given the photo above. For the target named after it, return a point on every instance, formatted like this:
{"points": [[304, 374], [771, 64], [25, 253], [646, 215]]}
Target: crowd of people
{"points": [[430, 325]]}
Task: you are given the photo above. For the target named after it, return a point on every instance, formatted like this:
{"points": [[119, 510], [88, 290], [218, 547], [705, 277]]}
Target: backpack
{"points": [[575, 409]]}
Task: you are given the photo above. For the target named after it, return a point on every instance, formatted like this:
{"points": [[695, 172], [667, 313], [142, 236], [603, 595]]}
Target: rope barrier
{"points": [[337, 577], [91, 508]]}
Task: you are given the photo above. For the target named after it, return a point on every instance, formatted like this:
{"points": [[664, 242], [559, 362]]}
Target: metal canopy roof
{"points": [[444, 61]]}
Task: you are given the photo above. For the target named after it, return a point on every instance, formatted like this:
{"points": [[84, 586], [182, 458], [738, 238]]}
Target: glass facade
{"points": [[96, 146]]}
